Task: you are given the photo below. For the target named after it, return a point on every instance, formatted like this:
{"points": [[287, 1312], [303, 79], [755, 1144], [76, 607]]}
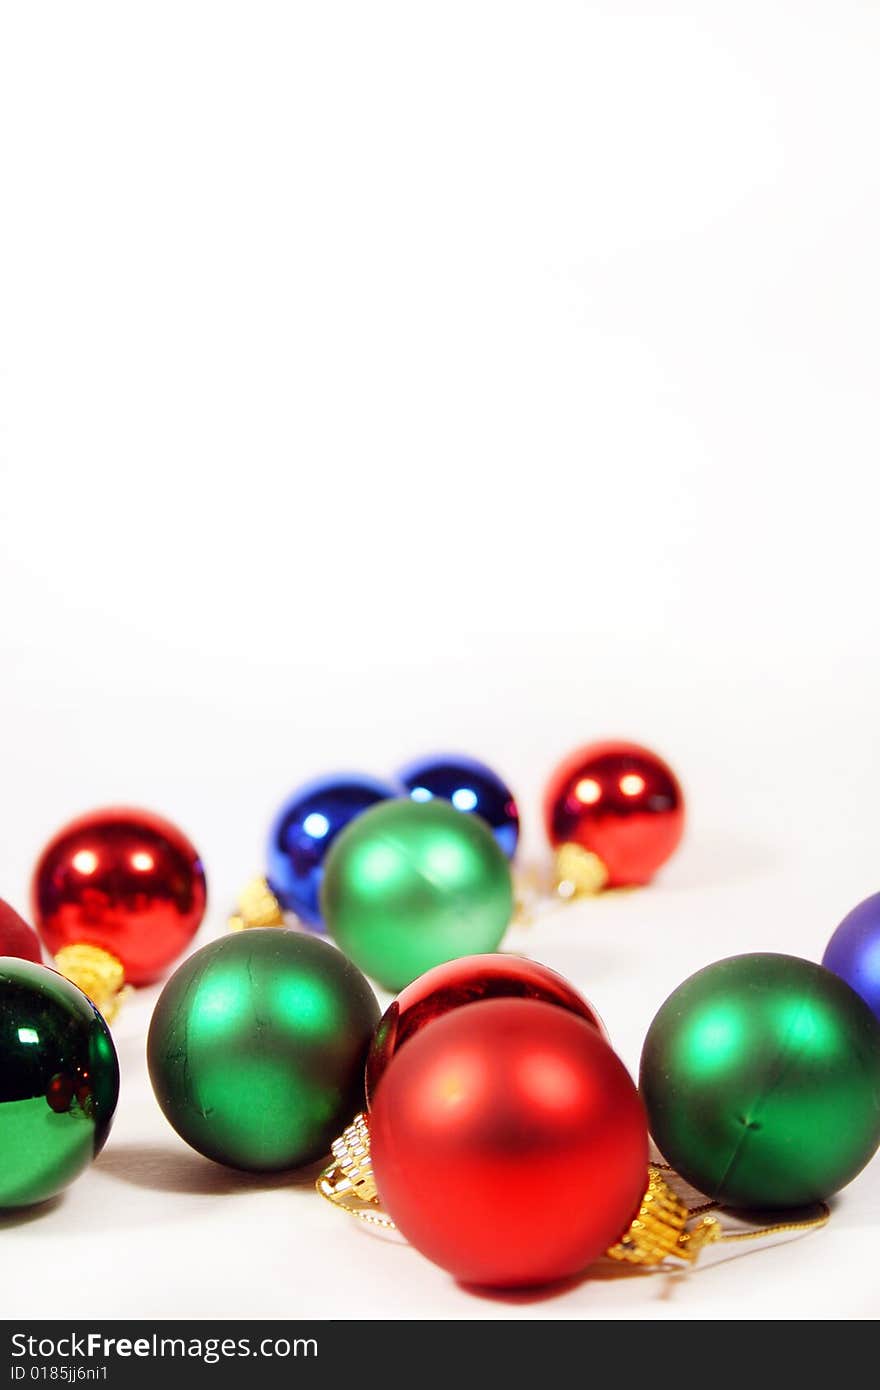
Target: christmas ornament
{"points": [[117, 896], [411, 884], [615, 813], [508, 1143], [301, 835], [59, 1081], [853, 952], [16, 937], [468, 980], [471, 786], [761, 1076], [257, 1047]]}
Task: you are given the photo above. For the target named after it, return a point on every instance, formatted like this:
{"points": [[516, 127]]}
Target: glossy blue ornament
{"points": [[305, 828], [471, 786], [853, 952]]}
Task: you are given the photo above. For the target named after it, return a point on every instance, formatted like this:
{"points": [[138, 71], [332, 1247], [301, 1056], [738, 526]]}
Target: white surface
{"points": [[377, 378]]}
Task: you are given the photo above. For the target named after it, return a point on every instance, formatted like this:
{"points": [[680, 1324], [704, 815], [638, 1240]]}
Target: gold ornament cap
{"points": [[257, 907], [97, 973], [579, 872], [350, 1175], [660, 1231]]}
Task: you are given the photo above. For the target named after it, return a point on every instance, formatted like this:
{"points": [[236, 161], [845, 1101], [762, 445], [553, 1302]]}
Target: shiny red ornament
{"points": [[621, 803], [125, 880], [509, 1144], [16, 937], [468, 980]]}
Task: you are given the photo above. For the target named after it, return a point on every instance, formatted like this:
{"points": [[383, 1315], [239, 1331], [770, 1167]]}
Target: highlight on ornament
{"points": [[257, 1046], [303, 830], [60, 1082], [410, 885], [117, 895], [614, 814], [470, 786]]}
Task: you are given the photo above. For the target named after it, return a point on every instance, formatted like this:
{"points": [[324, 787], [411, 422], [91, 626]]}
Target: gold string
{"points": [[372, 1217], [369, 1212], [810, 1223]]}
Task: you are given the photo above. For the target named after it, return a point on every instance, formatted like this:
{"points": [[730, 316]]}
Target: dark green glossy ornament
{"points": [[761, 1076], [59, 1082], [409, 885], [257, 1048]]}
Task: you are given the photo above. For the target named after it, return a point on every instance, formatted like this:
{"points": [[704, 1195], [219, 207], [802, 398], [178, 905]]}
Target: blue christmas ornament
{"points": [[853, 952], [471, 786], [303, 831]]}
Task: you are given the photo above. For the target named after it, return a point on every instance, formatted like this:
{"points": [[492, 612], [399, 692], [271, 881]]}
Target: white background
{"points": [[378, 378]]}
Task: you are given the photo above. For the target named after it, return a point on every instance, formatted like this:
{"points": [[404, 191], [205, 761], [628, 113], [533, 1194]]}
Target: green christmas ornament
{"points": [[409, 885], [257, 1048], [761, 1076], [59, 1082]]}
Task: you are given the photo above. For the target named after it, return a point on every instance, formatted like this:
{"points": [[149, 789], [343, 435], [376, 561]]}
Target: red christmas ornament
{"points": [[123, 880], [16, 937], [620, 803], [509, 1144], [468, 980]]}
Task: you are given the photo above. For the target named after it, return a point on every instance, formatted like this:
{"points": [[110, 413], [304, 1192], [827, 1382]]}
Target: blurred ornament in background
{"points": [[471, 786], [257, 1048], [16, 937], [118, 894], [509, 1144], [615, 813], [853, 952], [468, 980], [412, 884], [302, 833], [59, 1082], [761, 1077]]}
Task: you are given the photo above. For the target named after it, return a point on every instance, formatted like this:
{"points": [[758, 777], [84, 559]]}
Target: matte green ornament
{"points": [[761, 1076], [59, 1082], [257, 1048], [409, 885]]}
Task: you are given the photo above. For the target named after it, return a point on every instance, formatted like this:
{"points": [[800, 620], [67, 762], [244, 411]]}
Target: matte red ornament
{"points": [[16, 937], [621, 803], [125, 880], [509, 1144], [468, 980]]}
